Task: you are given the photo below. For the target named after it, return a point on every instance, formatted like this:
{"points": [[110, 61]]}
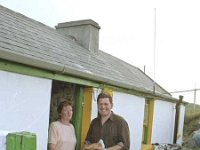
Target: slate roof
{"points": [[30, 42]]}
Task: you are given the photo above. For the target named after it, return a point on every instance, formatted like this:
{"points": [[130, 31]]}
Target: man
{"points": [[109, 127]]}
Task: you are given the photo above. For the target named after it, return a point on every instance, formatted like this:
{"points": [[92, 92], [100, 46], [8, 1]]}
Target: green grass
{"points": [[189, 108], [191, 123], [191, 112]]}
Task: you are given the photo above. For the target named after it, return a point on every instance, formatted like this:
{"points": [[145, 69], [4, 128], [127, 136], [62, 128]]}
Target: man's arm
{"points": [[51, 146], [116, 147], [124, 136]]}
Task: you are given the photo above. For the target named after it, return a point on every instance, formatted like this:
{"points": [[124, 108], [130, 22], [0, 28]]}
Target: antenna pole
{"points": [[195, 97], [154, 54]]}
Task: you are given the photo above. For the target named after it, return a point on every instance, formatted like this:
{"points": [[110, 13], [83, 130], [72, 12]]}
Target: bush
{"points": [[190, 117]]}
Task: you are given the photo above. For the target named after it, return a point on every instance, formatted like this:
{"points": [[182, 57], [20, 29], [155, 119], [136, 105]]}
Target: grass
{"points": [[191, 113], [191, 123]]}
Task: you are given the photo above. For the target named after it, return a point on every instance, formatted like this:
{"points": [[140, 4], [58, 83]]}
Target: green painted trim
{"points": [[140, 94], [128, 91], [77, 116], [150, 121], [33, 71], [147, 127], [37, 72], [146, 135]]}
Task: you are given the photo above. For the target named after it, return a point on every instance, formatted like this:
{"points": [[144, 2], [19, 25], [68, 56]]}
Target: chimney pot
{"points": [[86, 33]]}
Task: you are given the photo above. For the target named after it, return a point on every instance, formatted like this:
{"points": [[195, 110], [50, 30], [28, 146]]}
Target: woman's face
{"points": [[66, 113]]}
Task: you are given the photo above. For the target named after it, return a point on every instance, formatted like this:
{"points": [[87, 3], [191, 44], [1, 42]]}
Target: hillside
{"points": [[191, 124]]}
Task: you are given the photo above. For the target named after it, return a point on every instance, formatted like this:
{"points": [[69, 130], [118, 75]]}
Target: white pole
{"points": [[194, 97], [154, 67]]}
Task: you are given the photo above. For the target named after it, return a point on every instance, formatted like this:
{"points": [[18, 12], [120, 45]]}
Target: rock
{"points": [[190, 144], [196, 138], [167, 147]]}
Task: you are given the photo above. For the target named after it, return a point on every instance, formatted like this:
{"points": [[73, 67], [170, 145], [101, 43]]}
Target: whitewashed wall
{"points": [[94, 110], [181, 124], [25, 104], [131, 108], [163, 122]]}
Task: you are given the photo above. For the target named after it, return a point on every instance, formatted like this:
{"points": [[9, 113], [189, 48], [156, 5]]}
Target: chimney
{"points": [[86, 33]]}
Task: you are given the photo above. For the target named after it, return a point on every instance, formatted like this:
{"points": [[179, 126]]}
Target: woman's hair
{"points": [[62, 104], [104, 95]]}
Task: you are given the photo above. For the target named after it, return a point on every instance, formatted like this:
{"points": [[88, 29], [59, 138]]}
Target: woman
{"points": [[61, 132]]}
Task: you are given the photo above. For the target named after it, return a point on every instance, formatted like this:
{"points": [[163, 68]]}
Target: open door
{"points": [[72, 92]]}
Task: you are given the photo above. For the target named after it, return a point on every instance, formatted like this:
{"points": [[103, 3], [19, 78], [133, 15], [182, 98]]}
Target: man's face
{"points": [[104, 107]]}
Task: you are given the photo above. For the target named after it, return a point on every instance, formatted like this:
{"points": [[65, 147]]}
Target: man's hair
{"points": [[62, 104], [104, 95]]}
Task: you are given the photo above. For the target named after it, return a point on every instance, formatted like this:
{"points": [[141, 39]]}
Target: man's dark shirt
{"points": [[115, 131]]}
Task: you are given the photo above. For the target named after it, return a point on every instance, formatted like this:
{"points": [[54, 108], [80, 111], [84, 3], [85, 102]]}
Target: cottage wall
{"points": [[132, 109], [181, 124], [24, 105], [163, 122]]}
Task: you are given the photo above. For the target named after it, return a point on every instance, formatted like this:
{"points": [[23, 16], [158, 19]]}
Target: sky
{"points": [[163, 36]]}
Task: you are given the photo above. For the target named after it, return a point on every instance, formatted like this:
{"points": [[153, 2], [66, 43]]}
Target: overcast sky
{"points": [[127, 32]]}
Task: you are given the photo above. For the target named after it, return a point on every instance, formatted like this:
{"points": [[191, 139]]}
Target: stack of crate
{"points": [[21, 141]]}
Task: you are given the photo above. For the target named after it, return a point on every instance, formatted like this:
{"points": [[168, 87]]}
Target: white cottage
{"points": [[40, 65]]}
